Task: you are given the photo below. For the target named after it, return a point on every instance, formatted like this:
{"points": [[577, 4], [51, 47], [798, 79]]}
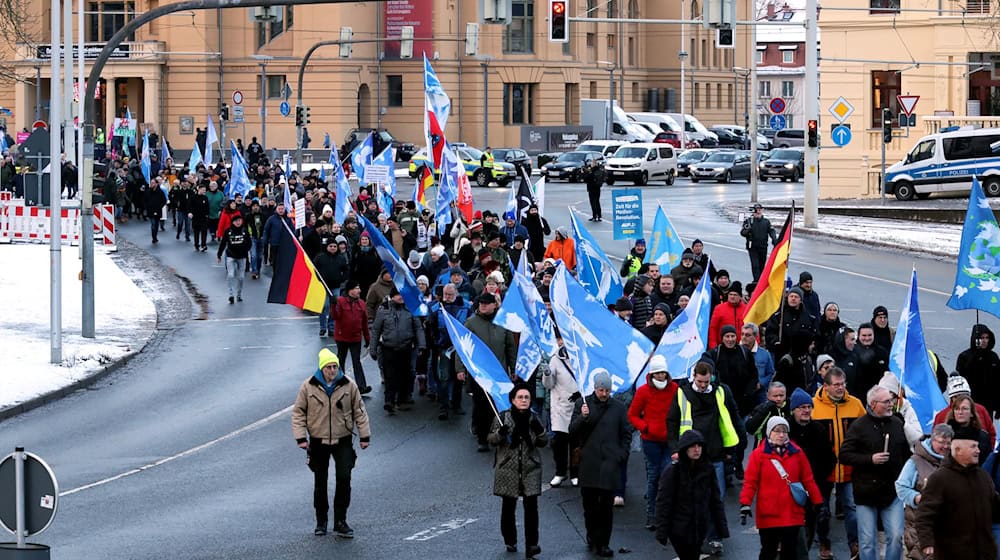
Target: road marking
{"points": [[284, 347], [236, 319], [438, 530], [252, 426]]}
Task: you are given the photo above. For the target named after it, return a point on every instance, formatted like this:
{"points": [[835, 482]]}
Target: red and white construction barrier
{"points": [[32, 223]]}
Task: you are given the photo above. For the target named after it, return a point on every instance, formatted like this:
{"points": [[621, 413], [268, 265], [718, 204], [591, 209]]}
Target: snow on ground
{"points": [[125, 320], [921, 237]]}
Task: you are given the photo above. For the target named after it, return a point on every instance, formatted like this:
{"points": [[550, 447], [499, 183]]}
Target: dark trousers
{"points": [[787, 537], [758, 258], [396, 369], [213, 226], [561, 449], [595, 201], [200, 233], [344, 457], [598, 515], [482, 412], [272, 254], [449, 388], [686, 550], [355, 349], [154, 225], [508, 520]]}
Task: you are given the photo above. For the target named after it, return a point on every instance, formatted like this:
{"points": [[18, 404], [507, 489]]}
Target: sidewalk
{"points": [[125, 320]]}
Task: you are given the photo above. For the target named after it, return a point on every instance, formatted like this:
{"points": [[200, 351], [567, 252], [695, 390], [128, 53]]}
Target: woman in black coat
{"points": [[688, 497], [538, 228]]}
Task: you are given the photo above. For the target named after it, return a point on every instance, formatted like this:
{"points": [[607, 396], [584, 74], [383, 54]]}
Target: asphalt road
{"points": [[187, 451]]}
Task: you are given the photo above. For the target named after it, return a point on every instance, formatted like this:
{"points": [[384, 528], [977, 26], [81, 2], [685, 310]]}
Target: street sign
{"points": [[777, 105], [841, 109], [237, 97], [906, 121], [907, 103], [285, 108], [238, 115], [841, 135], [38, 124], [626, 205], [777, 122]]}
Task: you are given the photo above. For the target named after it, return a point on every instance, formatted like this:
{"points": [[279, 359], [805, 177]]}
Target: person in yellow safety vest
{"points": [[710, 408], [633, 262], [486, 160], [99, 137]]}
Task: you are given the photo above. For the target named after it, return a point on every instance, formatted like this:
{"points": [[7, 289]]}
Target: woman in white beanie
{"points": [[911, 424]]}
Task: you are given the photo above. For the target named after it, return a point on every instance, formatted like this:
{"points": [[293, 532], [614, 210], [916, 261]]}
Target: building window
{"points": [[394, 89], [104, 19], [715, 58], [612, 8], [764, 88], [275, 83], [697, 99], [704, 53], [789, 120], [518, 103], [261, 35], [593, 90], [787, 89], [518, 36], [635, 92], [762, 121], [729, 94], [718, 95], [787, 57], [591, 8], [760, 57], [289, 17], [883, 6], [633, 9], [590, 40], [631, 51], [572, 95], [611, 41], [277, 28], [977, 6], [885, 88]]}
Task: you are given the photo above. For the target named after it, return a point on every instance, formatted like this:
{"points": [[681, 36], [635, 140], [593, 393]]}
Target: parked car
{"points": [[728, 138], [673, 139], [404, 150], [547, 157], [784, 163], [515, 156], [502, 173], [641, 163], [723, 166], [569, 165], [603, 147], [789, 138], [690, 157]]}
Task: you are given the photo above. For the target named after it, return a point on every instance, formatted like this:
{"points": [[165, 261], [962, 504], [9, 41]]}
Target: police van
{"points": [[946, 162]]}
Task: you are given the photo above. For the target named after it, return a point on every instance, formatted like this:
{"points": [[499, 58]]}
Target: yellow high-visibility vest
{"points": [[729, 436]]}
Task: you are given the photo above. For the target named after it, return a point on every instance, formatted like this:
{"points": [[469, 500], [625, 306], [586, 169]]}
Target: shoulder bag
{"points": [[799, 492]]}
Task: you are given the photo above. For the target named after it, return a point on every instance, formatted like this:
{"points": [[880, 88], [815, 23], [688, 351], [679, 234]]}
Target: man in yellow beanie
{"points": [[327, 412]]}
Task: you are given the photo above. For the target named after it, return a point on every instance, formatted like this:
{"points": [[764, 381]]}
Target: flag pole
{"points": [[306, 255]]}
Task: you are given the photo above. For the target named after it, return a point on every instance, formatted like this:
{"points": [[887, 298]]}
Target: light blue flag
{"points": [[908, 359], [388, 159], [211, 137], [977, 279], [342, 204], [286, 163], [164, 152], [194, 159], [684, 341], [144, 162], [402, 277], [522, 264], [447, 187], [361, 157], [595, 340], [481, 363], [523, 311], [129, 138], [665, 246], [322, 174], [596, 273], [435, 98], [239, 181], [3, 143]]}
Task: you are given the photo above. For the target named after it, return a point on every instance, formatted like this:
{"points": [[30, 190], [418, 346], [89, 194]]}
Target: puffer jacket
{"points": [[981, 368], [329, 418], [775, 505], [396, 328], [836, 418], [649, 409], [517, 467], [350, 320]]}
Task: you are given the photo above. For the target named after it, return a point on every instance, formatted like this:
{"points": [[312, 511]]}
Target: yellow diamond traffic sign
{"points": [[841, 109]]}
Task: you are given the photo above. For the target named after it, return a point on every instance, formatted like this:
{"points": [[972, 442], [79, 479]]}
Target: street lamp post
{"points": [[608, 126], [682, 55]]}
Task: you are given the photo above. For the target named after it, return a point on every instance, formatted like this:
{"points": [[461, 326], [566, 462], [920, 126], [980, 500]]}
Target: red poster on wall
{"points": [[417, 13]]}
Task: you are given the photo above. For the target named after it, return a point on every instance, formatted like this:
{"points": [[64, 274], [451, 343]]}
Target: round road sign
{"points": [[777, 122], [38, 124], [777, 105], [41, 494], [237, 97]]}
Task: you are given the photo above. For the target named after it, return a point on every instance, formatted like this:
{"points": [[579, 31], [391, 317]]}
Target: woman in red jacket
{"points": [[226, 217], [779, 518], [648, 413], [350, 326]]}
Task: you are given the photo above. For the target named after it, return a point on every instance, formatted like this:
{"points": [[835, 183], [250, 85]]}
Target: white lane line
{"points": [[193, 450], [438, 530]]}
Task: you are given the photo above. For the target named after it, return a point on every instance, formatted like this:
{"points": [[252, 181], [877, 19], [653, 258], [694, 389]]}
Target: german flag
{"points": [[295, 281], [425, 182], [766, 298]]}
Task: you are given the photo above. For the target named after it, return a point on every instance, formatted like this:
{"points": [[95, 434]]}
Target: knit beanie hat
{"points": [[326, 357], [799, 398], [774, 422]]}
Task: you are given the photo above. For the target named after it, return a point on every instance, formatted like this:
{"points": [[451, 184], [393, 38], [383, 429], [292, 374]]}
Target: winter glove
{"points": [[744, 514]]}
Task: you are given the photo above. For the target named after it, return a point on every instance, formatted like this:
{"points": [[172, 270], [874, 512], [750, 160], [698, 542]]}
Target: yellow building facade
{"points": [[872, 52], [175, 71]]}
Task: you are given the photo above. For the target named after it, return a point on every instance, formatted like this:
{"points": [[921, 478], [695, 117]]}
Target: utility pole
{"points": [[810, 204], [55, 182], [69, 138], [683, 54], [85, 170]]}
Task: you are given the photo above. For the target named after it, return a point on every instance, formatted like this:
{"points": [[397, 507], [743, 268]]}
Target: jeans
{"points": [[234, 275], [154, 227], [892, 522], [183, 224], [508, 520], [358, 371], [845, 496], [657, 458], [326, 316], [449, 388], [256, 251], [344, 458]]}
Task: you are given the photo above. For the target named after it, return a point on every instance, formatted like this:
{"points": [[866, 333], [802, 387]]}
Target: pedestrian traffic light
{"points": [[345, 42], [558, 22], [224, 112], [887, 125], [813, 130], [724, 38]]}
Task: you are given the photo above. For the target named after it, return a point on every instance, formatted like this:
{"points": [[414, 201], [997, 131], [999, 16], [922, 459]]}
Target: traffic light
{"points": [[301, 115], [813, 130], [887, 125], [558, 24], [224, 112], [724, 38]]}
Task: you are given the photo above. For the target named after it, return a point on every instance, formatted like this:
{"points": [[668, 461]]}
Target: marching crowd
{"points": [[799, 415]]}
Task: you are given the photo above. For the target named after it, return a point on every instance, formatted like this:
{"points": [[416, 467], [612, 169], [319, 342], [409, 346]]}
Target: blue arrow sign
{"points": [[777, 122], [841, 135], [285, 108]]}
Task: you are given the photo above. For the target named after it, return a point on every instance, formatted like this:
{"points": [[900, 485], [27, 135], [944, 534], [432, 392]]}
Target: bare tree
{"points": [[20, 27]]}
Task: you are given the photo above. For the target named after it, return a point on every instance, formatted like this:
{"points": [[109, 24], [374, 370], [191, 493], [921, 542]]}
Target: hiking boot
{"points": [[855, 554], [322, 332], [232, 300], [365, 390], [389, 409], [343, 530], [442, 416], [320, 529]]}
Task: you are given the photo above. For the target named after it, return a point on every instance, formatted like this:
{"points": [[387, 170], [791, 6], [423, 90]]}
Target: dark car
{"points": [[785, 163], [516, 156], [727, 139], [404, 150], [723, 166], [688, 158], [568, 166]]}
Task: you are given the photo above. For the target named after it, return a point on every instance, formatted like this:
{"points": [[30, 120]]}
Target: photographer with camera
{"points": [[757, 231]]}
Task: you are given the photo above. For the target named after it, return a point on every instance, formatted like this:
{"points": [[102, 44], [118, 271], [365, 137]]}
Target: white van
{"points": [[604, 147], [641, 163], [694, 130], [661, 120], [947, 162]]}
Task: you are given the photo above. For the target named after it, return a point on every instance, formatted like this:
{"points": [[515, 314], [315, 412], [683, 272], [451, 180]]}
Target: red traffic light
{"points": [[813, 125], [558, 8]]}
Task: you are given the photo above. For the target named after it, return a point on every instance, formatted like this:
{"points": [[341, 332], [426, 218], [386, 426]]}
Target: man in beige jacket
{"points": [[326, 413]]}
